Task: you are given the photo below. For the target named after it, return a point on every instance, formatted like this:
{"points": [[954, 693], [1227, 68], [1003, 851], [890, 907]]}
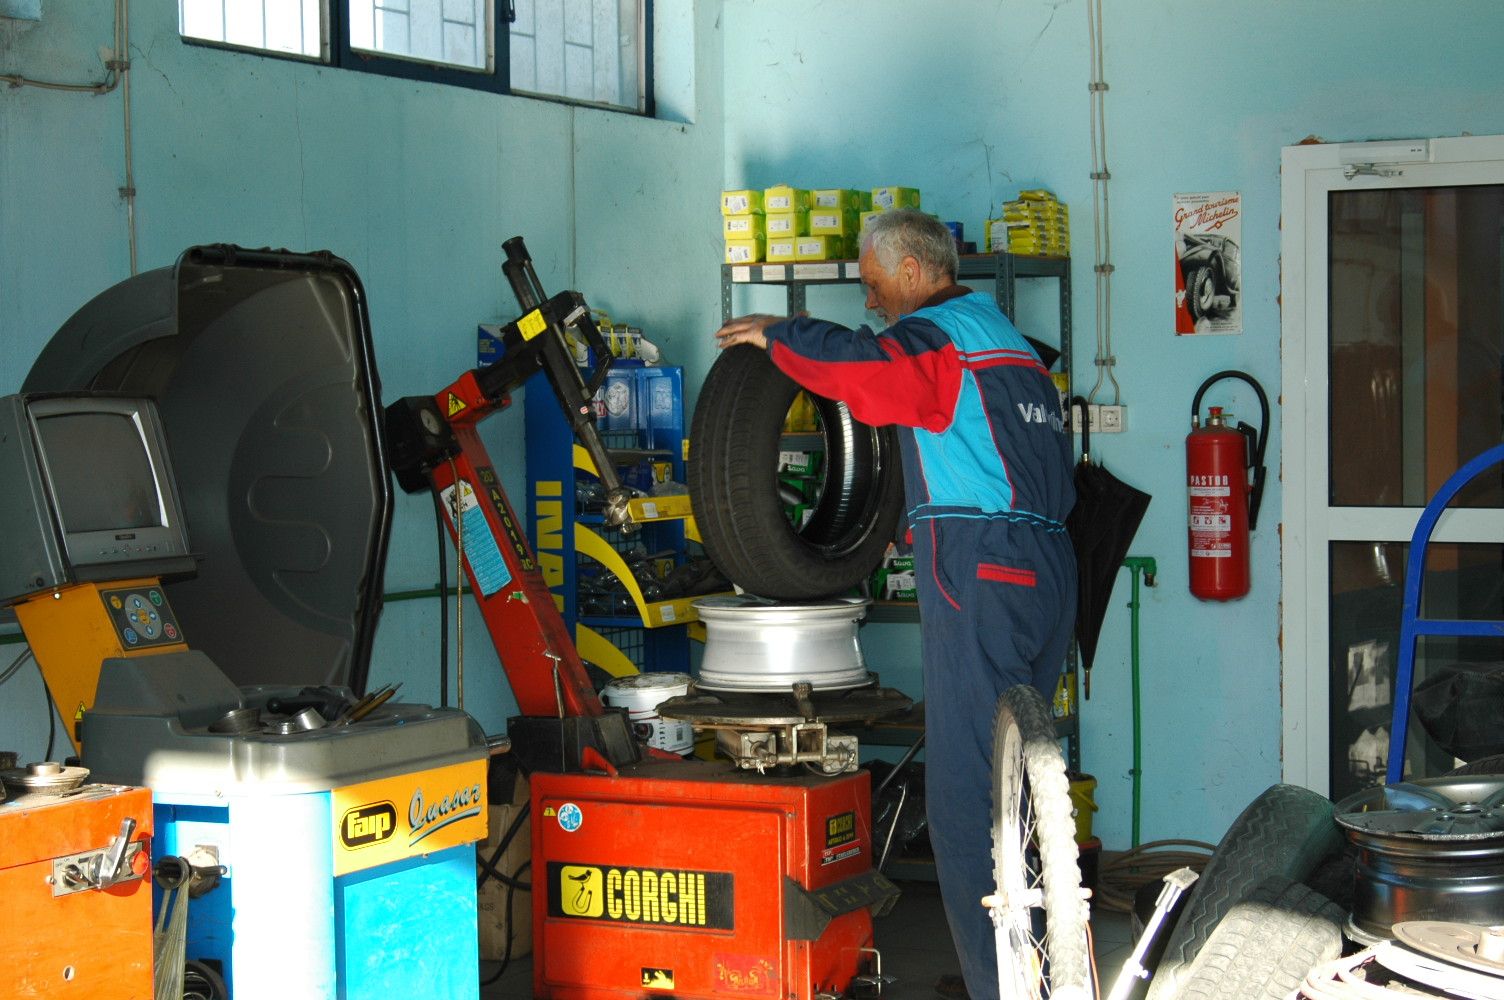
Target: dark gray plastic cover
{"points": [[261, 366]]}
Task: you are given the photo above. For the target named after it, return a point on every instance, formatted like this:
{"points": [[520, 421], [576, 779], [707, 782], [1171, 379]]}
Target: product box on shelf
{"points": [[786, 224], [743, 227], [895, 197], [782, 198], [745, 251], [894, 579], [841, 199], [832, 222], [820, 248], [741, 202], [781, 249]]}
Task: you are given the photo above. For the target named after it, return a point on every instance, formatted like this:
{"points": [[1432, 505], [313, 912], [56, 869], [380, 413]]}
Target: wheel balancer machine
{"points": [[651, 875]]}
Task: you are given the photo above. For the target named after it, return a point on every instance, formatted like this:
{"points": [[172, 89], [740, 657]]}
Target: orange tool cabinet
{"points": [[686, 879], [62, 937]]}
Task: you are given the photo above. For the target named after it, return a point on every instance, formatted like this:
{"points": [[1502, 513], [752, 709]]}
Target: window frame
{"points": [[338, 53], [497, 80]]}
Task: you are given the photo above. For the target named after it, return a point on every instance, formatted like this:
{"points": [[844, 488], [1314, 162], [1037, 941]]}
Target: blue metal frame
{"points": [[1412, 625], [551, 477]]}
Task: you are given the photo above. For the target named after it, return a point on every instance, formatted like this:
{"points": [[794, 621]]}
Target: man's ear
{"points": [[911, 271]]}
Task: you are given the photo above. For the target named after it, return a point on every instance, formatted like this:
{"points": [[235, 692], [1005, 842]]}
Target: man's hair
{"points": [[908, 232]]}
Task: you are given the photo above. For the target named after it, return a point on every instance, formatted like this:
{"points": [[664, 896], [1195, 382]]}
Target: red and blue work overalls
{"points": [[988, 481]]}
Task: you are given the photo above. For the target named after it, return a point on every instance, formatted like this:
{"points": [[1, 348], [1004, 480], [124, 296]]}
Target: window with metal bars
{"points": [[594, 52]]}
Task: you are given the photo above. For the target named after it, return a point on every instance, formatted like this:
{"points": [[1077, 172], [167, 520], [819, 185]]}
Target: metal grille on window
{"points": [[448, 32], [292, 26], [583, 50]]}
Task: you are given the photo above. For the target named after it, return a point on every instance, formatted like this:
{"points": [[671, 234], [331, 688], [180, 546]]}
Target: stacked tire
{"points": [[734, 485]]}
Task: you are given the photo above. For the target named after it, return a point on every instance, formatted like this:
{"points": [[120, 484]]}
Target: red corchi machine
{"points": [[653, 875]]}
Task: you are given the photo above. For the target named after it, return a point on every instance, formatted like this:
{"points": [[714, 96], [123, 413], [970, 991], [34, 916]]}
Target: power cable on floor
{"points": [[506, 954], [1119, 878]]}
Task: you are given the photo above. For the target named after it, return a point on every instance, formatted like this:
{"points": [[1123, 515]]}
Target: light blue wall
{"points": [[417, 185], [971, 102]]}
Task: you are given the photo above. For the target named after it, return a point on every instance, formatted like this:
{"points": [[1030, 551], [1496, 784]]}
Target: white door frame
{"points": [[1309, 174]]}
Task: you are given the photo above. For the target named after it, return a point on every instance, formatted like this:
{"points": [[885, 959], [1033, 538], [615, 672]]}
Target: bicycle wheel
{"points": [[1037, 908]]}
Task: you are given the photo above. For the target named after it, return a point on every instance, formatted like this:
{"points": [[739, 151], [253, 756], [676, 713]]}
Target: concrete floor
{"points": [[915, 945]]}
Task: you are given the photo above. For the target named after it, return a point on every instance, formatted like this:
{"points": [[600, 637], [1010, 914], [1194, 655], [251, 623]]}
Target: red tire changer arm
{"points": [[433, 444]]}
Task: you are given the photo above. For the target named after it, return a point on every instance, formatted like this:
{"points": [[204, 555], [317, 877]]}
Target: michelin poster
{"points": [[1208, 263]]}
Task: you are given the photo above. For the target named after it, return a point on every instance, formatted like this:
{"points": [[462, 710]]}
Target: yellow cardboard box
{"points": [[832, 222], [742, 227], [745, 251], [820, 248], [741, 202], [783, 198], [841, 199], [788, 223], [781, 249], [895, 197]]}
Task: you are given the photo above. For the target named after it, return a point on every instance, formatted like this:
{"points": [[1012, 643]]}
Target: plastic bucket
{"points": [[640, 695], [1082, 787]]}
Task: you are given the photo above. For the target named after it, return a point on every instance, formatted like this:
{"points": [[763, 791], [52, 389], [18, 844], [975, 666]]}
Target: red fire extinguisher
{"points": [[1223, 496]]}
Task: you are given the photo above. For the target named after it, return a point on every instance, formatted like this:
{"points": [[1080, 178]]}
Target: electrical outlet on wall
{"points": [[1102, 418]]}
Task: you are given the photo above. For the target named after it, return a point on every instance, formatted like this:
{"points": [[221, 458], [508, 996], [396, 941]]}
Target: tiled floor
{"points": [[914, 943]]}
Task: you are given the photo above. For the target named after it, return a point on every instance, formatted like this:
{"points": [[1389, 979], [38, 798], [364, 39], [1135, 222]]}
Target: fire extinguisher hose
{"points": [[1261, 439]]}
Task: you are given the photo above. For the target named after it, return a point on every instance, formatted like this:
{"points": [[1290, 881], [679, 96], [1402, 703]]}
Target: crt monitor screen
{"points": [[100, 471], [86, 493]]}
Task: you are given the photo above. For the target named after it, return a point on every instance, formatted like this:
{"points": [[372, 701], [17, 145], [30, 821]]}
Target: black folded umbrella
{"points": [[1101, 526]]}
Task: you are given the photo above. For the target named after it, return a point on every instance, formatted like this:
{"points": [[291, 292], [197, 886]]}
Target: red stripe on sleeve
{"points": [[912, 390]]}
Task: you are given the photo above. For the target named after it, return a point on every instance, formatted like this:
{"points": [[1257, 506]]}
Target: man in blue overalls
{"points": [[987, 477]]}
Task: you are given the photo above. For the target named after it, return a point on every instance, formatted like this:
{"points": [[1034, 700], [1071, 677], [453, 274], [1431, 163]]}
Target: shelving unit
{"points": [[1004, 271], [643, 424]]}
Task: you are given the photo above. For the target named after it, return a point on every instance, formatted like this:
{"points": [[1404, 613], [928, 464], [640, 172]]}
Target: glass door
{"points": [[1393, 336]]}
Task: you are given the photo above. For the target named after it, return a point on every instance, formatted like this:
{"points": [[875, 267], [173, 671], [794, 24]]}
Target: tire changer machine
{"points": [[338, 860]]}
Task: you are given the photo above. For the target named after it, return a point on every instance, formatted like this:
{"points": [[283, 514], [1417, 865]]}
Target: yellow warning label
{"points": [[658, 979], [642, 895], [455, 404], [531, 325], [584, 891]]}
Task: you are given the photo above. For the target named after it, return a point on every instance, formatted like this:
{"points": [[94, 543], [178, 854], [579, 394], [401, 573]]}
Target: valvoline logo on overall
{"points": [[368, 824]]}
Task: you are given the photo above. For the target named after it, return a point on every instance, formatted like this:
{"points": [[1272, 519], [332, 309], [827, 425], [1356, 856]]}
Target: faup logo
{"points": [[581, 891], [368, 824]]}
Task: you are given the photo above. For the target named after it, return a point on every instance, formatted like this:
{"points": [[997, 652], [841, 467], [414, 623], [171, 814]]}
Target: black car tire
{"points": [[734, 488], [1493, 764], [1198, 304], [1267, 944], [1287, 831]]}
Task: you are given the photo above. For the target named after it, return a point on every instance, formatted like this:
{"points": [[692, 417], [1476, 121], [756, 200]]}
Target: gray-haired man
{"points": [[987, 476]]}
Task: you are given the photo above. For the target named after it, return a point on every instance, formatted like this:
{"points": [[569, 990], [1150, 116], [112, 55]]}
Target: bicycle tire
{"points": [[1035, 872]]}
